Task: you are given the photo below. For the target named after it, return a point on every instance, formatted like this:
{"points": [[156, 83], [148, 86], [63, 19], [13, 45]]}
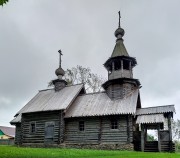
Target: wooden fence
{"points": [[6, 141]]}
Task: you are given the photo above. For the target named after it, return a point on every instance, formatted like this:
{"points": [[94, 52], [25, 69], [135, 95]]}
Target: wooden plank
{"points": [[128, 129], [170, 132], [41, 118], [100, 130], [142, 137], [159, 140]]}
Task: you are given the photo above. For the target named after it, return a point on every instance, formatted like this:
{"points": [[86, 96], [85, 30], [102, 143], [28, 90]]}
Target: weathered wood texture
{"points": [[120, 74], [119, 91], [41, 120], [18, 135], [98, 130], [88, 136]]}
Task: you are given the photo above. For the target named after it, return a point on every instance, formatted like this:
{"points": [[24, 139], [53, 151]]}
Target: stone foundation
{"points": [[129, 147]]}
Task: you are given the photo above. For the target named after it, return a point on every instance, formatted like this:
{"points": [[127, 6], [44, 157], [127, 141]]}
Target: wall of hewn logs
{"points": [[41, 119], [119, 91], [18, 134], [98, 130]]}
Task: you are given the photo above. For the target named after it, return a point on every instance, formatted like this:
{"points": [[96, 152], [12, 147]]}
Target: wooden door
{"points": [[49, 132]]}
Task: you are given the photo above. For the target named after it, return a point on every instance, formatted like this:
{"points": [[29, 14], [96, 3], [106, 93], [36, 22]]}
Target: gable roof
{"points": [[10, 131], [99, 104], [155, 110], [49, 100]]}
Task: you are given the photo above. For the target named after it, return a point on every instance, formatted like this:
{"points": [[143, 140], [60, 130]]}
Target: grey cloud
{"points": [[32, 32]]}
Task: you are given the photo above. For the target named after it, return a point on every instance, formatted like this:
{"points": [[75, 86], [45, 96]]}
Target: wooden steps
{"points": [[151, 146]]}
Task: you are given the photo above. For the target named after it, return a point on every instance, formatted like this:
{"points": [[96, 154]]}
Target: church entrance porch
{"points": [[164, 134]]}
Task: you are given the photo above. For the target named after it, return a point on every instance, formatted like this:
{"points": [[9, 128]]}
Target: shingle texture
{"points": [[155, 118], [156, 110], [17, 119], [119, 49], [49, 100], [99, 104]]}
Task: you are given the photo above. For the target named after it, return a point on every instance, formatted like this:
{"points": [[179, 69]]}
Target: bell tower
{"points": [[120, 69]]}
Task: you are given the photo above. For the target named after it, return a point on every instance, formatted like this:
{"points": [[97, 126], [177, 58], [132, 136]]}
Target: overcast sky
{"points": [[31, 33]]}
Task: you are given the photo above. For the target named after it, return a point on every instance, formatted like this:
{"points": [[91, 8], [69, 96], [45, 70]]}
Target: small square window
{"points": [[32, 127], [114, 124], [81, 125]]}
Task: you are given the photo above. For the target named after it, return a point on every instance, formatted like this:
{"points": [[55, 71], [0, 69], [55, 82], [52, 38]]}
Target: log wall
{"points": [[41, 120], [119, 91], [18, 135], [98, 130]]}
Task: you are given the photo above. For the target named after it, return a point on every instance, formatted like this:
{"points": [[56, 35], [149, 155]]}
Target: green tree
{"points": [[150, 137], [2, 2], [175, 125]]}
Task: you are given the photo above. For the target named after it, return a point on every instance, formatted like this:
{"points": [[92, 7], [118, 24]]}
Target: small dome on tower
{"points": [[59, 72], [118, 32]]}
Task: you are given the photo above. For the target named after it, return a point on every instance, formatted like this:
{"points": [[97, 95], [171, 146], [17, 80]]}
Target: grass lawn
{"points": [[20, 152]]}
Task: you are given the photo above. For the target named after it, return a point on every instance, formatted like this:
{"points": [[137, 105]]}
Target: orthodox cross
{"points": [[60, 54], [119, 18]]}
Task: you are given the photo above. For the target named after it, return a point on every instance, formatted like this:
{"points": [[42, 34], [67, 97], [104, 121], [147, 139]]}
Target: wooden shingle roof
{"points": [[156, 110], [49, 100], [99, 104], [119, 49], [155, 118]]}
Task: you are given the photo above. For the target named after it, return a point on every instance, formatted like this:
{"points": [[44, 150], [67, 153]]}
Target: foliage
{"points": [[176, 129], [13, 152], [2, 2], [150, 137], [79, 74], [177, 145]]}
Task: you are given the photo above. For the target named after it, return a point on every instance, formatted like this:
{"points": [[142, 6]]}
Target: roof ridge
{"points": [[155, 106], [64, 87], [92, 93]]}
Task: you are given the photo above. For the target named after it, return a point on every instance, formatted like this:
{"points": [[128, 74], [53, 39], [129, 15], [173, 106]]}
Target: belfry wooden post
{"points": [[170, 132], [159, 140], [142, 137]]}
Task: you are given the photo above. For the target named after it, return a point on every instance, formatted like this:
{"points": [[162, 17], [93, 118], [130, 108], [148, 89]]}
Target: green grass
{"points": [[20, 152]]}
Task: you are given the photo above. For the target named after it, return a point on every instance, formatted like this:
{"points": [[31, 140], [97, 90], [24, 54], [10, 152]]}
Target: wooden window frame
{"points": [[114, 124], [32, 127], [81, 126]]}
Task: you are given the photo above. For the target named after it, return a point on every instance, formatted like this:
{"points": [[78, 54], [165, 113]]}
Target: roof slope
{"points": [[119, 49], [17, 119], [155, 118], [99, 104], [156, 110], [49, 100], [10, 131]]}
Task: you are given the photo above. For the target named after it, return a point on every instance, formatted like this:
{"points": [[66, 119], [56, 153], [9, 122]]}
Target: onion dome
{"points": [[119, 31], [59, 72]]}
